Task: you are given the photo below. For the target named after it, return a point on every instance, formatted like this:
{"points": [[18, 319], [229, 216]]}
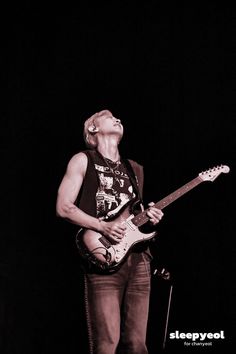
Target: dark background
{"points": [[167, 71]]}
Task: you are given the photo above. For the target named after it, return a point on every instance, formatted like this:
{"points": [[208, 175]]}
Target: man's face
{"points": [[108, 123]]}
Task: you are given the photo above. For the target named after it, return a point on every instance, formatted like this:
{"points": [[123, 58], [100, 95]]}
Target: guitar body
{"points": [[104, 254]]}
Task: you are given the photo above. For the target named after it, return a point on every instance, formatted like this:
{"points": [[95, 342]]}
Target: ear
{"points": [[92, 129]]}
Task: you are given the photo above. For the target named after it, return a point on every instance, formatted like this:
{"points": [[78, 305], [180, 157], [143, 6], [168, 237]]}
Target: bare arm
{"points": [[68, 192]]}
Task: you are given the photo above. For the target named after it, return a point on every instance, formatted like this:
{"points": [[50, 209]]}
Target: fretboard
{"points": [[142, 217]]}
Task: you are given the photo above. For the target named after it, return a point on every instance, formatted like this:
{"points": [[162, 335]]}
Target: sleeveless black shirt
{"points": [[106, 190], [108, 186]]}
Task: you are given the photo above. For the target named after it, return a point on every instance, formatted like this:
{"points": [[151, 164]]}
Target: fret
{"points": [[142, 218]]}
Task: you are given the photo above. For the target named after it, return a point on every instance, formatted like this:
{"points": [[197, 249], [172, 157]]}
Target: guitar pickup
{"points": [[105, 242]]}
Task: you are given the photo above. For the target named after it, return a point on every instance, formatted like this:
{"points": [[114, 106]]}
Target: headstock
{"points": [[213, 173]]}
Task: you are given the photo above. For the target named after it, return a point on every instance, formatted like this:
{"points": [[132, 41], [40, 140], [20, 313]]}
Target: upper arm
{"points": [[72, 180]]}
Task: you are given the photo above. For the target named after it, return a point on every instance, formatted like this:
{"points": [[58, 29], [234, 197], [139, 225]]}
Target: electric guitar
{"points": [[107, 255]]}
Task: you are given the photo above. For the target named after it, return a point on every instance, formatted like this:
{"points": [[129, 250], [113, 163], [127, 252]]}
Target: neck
{"points": [[109, 149]]}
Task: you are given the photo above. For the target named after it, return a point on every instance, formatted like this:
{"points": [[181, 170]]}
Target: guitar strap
{"points": [[136, 177]]}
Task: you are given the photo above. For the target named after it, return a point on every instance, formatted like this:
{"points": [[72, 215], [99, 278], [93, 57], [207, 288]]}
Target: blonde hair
{"points": [[90, 129]]}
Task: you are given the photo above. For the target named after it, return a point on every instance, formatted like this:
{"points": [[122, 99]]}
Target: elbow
{"points": [[65, 210], [59, 214], [61, 211]]}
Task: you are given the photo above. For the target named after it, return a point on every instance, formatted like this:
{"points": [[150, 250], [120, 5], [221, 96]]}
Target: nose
{"points": [[117, 120]]}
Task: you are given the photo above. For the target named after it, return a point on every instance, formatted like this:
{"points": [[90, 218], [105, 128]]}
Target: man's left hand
{"points": [[154, 214]]}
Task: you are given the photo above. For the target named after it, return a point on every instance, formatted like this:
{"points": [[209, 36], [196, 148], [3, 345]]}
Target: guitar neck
{"points": [[142, 217]]}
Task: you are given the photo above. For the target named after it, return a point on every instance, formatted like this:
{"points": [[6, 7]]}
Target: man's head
{"points": [[101, 122]]}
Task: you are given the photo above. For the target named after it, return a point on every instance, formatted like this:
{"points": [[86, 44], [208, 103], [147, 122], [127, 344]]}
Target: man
{"points": [[95, 190]]}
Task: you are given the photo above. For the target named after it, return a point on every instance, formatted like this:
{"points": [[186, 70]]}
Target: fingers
{"points": [[154, 214], [118, 231], [115, 231]]}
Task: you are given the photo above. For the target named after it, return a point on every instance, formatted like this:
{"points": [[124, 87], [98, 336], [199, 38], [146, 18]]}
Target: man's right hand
{"points": [[113, 230]]}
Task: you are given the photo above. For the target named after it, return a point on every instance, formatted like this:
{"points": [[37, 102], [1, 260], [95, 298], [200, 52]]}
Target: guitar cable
{"points": [[107, 254]]}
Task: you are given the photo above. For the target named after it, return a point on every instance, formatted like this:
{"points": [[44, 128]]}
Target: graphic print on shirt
{"points": [[114, 192]]}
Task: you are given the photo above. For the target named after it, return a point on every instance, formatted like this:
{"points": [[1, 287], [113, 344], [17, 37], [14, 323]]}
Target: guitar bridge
{"points": [[105, 242]]}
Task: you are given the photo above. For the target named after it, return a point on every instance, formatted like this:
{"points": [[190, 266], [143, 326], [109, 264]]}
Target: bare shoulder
{"points": [[79, 158], [78, 163]]}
